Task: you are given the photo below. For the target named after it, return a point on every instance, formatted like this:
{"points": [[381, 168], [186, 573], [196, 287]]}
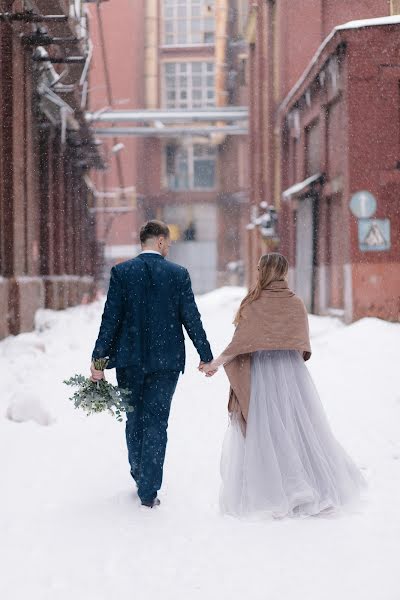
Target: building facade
{"points": [[117, 82], [48, 245], [308, 143], [340, 204], [185, 56]]}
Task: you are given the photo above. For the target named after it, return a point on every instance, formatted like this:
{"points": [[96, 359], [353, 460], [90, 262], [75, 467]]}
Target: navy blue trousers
{"points": [[146, 426]]}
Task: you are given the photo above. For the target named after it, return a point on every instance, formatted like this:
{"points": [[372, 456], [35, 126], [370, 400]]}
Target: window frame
{"points": [[394, 7], [191, 160], [182, 32], [177, 75]]}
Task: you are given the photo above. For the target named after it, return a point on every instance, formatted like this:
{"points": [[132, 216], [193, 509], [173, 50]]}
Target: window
{"points": [[188, 22], [177, 168], [191, 167], [395, 7], [189, 84], [203, 166]]}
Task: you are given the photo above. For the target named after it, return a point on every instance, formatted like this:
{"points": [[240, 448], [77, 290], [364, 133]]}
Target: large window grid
{"points": [[188, 22], [191, 167], [189, 84]]}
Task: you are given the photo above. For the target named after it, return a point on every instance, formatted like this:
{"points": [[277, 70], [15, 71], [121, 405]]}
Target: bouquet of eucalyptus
{"points": [[99, 396]]}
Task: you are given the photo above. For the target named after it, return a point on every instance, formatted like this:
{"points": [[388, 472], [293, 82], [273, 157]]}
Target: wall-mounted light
{"points": [[117, 148]]}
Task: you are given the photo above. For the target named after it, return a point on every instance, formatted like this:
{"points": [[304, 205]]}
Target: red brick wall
{"points": [[300, 33], [374, 157], [337, 12], [46, 231], [362, 150], [303, 26], [374, 128], [124, 43]]}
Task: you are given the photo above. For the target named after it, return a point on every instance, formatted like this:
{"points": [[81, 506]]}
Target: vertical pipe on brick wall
{"points": [[6, 134], [221, 38], [2, 224], [6, 179], [258, 91], [71, 230], [252, 123], [61, 249], [276, 146], [44, 196], [52, 144], [17, 159], [151, 53], [32, 174]]}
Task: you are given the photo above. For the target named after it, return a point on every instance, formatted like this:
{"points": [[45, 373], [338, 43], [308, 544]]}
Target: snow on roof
{"points": [[391, 20], [302, 185]]}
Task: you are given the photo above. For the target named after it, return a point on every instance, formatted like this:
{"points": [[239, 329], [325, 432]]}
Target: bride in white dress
{"points": [[280, 457]]}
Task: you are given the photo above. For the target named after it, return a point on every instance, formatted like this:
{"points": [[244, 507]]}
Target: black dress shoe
{"points": [[151, 503]]}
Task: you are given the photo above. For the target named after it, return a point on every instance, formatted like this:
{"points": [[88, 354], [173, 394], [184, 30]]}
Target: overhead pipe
{"points": [[169, 116], [31, 17], [170, 131], [60, 60], [40, 38]]}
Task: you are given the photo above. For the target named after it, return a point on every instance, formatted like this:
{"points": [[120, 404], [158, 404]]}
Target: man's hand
{"points": [[207, 369], [95, 374]]}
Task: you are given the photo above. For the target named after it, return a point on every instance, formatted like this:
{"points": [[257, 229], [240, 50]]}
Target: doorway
{"points": [[306, 249]]}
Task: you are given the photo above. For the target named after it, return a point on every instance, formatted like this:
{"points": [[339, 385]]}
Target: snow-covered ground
{"points": [[70, 523]]}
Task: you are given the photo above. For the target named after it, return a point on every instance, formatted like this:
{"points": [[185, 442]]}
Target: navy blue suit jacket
{"points": [[148, 302]]}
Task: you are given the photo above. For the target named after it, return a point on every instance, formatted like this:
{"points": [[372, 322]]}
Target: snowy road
{"points": [[70, 523]]}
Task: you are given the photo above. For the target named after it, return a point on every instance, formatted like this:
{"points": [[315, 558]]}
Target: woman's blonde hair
{"points": [[272, 267]]}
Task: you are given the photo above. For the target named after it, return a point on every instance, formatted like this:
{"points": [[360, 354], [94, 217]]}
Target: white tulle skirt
{"points": [[288, 463]]}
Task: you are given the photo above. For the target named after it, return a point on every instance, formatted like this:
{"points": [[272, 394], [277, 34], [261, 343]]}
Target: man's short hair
{"points": [[153, 229]]}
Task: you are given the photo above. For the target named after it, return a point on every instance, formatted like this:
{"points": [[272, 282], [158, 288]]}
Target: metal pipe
{"points": [[110, 100], [36, 39], [30, 17], [151, 64], [170, 131], [60, 60], [170, 116]]}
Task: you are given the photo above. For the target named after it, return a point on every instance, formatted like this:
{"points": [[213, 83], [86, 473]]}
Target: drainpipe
{"points": [[221, 39], [221, 43], [151, 53]]}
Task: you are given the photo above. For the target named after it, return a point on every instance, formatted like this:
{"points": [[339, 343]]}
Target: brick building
{"points": [[182, 56], [118, 81], [321, 127], [340, 139], [47, 237]]}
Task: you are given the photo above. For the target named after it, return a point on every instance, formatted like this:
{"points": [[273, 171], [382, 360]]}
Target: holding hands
{"points": [[209, 369]]}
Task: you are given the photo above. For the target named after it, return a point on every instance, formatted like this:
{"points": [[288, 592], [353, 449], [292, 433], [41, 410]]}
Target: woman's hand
{"points": [[209, 369]]}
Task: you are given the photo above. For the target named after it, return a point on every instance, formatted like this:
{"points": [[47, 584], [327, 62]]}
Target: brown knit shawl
{"points": [[277, 320]]}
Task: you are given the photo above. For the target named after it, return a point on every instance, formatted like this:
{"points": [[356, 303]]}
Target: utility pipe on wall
{"points": [[221, 43], [151, 53]]}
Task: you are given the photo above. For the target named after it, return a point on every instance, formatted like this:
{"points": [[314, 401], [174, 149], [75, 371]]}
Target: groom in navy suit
{"points": [[148, 302]]}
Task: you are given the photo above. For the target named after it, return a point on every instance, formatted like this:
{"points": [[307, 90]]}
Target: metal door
{"points": [[200, 258], [305, 251]]}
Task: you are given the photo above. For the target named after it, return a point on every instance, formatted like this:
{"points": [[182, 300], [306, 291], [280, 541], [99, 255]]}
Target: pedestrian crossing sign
{"points": [[374, 235]]}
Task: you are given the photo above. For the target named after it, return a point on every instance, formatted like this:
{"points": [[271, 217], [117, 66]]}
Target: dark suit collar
{"points": [[149, 256]]}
